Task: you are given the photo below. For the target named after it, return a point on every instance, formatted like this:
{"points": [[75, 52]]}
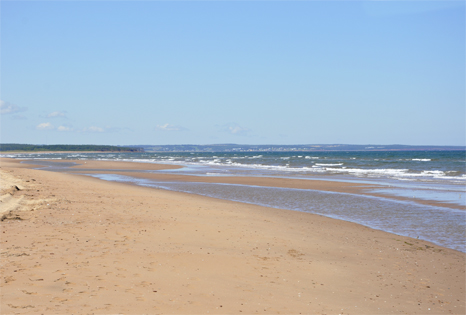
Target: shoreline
{"points": [[141, 174], [110, 247], [116, 167]]}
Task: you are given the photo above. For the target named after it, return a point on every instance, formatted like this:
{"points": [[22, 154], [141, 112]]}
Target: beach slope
{"points": [[75, 244]]}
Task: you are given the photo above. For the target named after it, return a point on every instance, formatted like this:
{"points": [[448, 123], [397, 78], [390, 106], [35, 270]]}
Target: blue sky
{"points": [[249, 72]]}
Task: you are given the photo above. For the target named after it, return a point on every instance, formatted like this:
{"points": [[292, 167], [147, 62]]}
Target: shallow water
{"points": [[442, 226], [453, 197]]}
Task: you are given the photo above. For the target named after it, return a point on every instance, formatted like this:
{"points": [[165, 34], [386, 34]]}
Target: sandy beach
{"points": [[73, 244]]}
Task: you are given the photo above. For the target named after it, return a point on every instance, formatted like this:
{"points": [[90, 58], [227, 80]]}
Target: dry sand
{"points": [[75, 244]]}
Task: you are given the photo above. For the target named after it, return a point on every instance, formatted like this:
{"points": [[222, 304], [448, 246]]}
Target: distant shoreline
{"points": [[55, 148], [27, 148], [42, 152]]}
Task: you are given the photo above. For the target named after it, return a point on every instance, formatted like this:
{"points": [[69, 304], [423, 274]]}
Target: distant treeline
{"points": [[65, 147]]}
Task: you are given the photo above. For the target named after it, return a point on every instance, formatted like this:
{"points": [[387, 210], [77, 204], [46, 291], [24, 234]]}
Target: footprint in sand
{"points": [[20, 306], [57, 299], [9, 279]]}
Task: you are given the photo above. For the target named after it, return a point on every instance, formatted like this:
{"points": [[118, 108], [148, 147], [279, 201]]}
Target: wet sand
{"points": [[102, 167], [75, 244]]}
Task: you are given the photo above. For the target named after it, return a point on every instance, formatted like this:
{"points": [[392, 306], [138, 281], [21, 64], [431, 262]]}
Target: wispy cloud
{"points": [[235, 129], [56, 114], [64, 128], [238, 130], [69, 128], [45, 126], [93, 129], [168, 127], [8, 108]]}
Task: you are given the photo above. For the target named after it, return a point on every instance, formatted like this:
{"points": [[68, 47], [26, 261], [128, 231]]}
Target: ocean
{"points": [[418, 175]]}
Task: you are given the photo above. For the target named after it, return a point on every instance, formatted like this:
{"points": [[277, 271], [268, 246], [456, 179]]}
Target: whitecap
{"points": [[321, 164]]}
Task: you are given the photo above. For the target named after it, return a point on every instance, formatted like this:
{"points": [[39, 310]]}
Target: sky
{"points": [[246, 72]]}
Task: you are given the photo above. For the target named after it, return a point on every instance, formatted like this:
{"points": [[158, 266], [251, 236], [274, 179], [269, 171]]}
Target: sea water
{"points": [[428, 175], [443, 226]]}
